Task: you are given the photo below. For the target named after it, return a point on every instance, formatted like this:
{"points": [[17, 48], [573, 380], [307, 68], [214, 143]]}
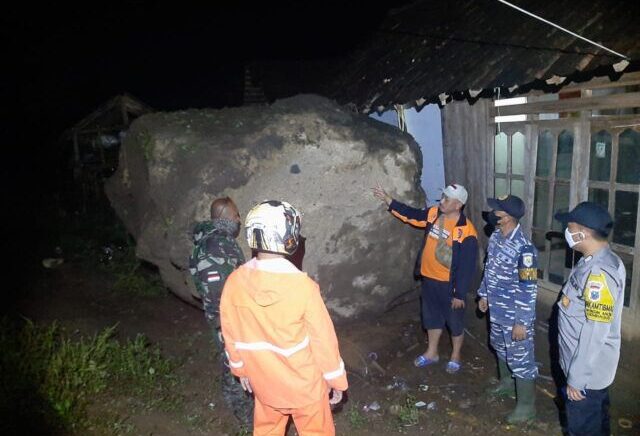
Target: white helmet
{"points": [[274, 227]]}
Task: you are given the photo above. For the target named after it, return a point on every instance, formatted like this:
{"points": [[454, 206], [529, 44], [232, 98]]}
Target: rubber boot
{"points": [[526, 406], [506, 387]]}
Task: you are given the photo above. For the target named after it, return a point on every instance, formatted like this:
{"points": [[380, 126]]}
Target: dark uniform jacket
{"points": [[465, 243]]}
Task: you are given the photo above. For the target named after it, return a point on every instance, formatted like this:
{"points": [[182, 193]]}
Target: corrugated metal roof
{"points": [[431, 50]]}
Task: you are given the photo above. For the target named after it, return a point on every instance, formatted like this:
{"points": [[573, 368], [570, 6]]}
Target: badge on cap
{"points": [[503, 197]]}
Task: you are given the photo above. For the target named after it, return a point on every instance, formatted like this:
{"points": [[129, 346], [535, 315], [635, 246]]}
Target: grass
{"points": [[356, 418], [52, 378], [408, 414], [131, 277]]}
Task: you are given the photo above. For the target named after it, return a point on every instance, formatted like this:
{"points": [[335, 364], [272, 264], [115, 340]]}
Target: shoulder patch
{"points": [[598, 299], [527, 260], [528, 274]]}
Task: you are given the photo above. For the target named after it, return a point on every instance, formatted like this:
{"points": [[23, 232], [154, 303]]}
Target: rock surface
{"points": [[305, 150]]}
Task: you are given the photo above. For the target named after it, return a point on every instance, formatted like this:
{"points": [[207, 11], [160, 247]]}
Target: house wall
{"points": [[426, 128], [466, 135], [468, 142]]}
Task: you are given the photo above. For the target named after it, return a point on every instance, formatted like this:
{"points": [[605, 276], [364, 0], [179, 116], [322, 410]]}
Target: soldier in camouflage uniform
{"points": [[215, 255], [508, 290]]}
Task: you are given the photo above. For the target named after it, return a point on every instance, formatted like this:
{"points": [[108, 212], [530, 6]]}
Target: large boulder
{"points": [[306, 150]]}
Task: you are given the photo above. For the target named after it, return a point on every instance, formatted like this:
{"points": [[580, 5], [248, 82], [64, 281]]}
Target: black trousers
{"points": [[589, 417]]}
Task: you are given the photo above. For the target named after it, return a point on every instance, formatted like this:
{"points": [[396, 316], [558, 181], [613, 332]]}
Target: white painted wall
{"points": [[426, 128]]}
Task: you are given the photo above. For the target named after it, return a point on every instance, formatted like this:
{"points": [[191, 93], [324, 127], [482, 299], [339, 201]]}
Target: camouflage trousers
{"points": [[239, 401], [519, 355]]}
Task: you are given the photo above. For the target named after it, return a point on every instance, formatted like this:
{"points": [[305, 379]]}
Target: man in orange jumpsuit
{"points": [[277, 331]]}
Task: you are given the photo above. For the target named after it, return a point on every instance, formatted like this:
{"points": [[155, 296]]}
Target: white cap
{"points": [[457, 192]]}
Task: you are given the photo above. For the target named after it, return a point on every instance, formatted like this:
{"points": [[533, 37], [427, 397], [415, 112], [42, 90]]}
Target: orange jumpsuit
{"points": [[278, 334]]}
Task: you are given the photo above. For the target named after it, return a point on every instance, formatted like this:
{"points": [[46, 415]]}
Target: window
{"points": [[568, 148], [614, 183], [508, 164], [554, 167]]}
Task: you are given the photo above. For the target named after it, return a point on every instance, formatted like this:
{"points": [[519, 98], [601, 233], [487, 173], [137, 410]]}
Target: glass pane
{"points": [[600, 157], [560, 203], [541, 205], [545, 153], [629, 157], [626, 218], [627, 260], [558, 260], [543, 255], [501, 187], [517, 188], [517, 154], [501, 153], [599, 196], [565, 154]]}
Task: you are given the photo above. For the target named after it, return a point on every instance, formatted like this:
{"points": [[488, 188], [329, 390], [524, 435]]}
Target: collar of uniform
{"points": [[278, 265], [513, 233], [596, 255]]}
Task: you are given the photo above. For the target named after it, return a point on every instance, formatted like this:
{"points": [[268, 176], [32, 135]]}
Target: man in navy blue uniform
{"points": [[508, 290]]}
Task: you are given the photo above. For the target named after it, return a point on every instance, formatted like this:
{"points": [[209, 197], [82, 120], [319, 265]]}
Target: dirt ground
{"points": [[378, 355]]}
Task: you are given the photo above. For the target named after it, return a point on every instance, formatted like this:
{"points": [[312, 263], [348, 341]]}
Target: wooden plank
{"points": [[629, 79], [613, 101]]}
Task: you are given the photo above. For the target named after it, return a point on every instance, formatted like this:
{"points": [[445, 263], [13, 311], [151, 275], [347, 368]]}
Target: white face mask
{"points": [[569, 237]]}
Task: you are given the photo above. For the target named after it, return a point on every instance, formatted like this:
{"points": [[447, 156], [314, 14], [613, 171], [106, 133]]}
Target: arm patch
{"points": [[598, 300], [528, 265], [528, 274]]}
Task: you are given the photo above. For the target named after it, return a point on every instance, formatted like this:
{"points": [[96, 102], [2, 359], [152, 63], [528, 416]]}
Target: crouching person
{"points": [[277, 331]]}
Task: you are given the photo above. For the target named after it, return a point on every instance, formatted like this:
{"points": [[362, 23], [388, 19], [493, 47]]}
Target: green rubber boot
{"points": [[506, 387], [526, 406]]}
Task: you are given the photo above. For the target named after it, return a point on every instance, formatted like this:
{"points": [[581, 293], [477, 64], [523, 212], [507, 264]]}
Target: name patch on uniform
{"points": [[527, 260], [598, 301], [213, 276], [528, 274]]}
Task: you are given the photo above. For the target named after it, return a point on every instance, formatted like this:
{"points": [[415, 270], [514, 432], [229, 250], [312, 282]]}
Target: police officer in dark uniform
{"points": [[589, 320]]}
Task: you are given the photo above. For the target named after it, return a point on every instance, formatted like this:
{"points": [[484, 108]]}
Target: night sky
{"points": [[171, 57], [65, 61]]}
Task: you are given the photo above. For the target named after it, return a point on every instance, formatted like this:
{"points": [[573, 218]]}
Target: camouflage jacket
{"points": [[215, 255]]}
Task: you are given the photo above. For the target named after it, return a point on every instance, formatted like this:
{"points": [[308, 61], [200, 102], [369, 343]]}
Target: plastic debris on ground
{"points": [[625, 423], [432, 406], [373, 407], [397, 383], [420, 404], [423, 388]]}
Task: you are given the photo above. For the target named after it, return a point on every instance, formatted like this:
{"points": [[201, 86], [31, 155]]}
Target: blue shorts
{"points": [[436, 307]]}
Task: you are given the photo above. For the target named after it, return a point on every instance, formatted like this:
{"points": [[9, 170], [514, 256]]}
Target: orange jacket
{"points": [[278, 333]]}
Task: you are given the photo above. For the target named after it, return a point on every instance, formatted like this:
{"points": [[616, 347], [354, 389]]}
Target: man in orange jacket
{"points": [[278, 335]]}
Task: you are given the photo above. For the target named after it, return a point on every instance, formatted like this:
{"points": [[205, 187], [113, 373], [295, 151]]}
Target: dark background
{"points": [[63, 61]]}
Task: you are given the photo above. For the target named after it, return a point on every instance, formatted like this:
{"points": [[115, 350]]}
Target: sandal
{"points": [[422, 361], [453, 367]]}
